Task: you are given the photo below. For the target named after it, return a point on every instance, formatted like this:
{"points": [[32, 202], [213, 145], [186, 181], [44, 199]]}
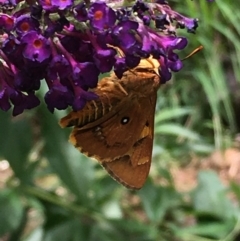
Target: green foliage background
{"points": [[57, 194]]}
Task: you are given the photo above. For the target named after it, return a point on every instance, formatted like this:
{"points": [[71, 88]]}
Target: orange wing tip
{"points": [[73, 140], [62, 123], [69, 120], [65, 121]]}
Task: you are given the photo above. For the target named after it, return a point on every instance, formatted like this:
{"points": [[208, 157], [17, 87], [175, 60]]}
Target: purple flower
{"points": [[55, 5], [25, 23], [6, 22], [85, 75], [12, 51], [27, 80], [58, 96], [124, 37], [80, 12], [4, 100], [22, 102], [37, 48], [59, 66], [104, 59], [81, 98], [55, 26], [120, 67], [101, 16], [68, 44], [62, 5]]}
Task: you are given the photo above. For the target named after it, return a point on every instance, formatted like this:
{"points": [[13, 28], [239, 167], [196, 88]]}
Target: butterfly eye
{"points": [[124, 120]]}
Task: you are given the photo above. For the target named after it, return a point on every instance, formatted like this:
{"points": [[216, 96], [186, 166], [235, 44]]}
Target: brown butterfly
{"points": [[117, 128]]}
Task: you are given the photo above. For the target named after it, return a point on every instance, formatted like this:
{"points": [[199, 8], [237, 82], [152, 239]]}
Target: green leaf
{"points": [[16, 142], [168, 114], [104, 189], [134, 230], [201, 148], [176, 130], [36, 235], [111, 209], [76, 171], [235, 187], [209, 197], [157, 201], [68, 230], [214, 230], [11, 211], [105, 231]]}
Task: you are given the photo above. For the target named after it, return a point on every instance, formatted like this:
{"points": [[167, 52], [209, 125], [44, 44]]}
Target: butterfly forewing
{"points": [[105, 106], [113, 137]]}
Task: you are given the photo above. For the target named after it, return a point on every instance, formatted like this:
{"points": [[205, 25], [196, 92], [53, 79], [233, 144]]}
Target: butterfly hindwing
{"points": [[132, 169]]}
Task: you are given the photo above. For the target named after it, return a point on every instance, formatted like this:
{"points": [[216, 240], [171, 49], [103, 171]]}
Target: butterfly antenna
{"points": [[193, 52]]}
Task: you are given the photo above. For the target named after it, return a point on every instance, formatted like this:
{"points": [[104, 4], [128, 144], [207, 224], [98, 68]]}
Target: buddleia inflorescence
{"points": [[67, 44]]}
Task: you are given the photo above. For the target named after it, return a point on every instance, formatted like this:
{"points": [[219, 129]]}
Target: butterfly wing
{"points": [[132, 169], [112, 138], [117, 129]]}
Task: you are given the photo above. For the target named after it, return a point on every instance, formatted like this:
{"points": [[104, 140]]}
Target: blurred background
{"points": [[51, 192]]}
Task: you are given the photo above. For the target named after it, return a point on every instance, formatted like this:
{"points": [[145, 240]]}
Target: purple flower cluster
{"points": [[68, 44]]}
